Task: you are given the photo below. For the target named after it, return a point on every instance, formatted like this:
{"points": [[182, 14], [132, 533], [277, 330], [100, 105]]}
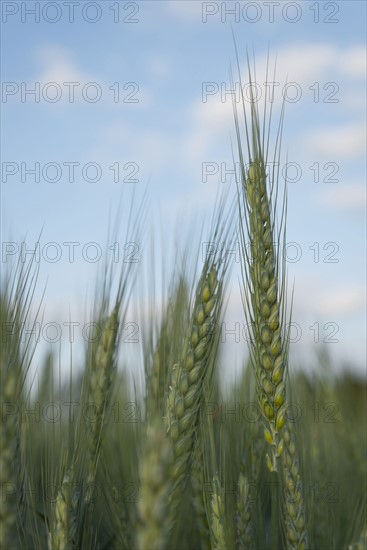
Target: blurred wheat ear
{"points": [[192, 371], [15, 358]]}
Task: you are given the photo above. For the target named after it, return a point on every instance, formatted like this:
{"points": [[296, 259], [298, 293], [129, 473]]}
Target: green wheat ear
{"points": [[100, 381], [158, 372], [263, 281], [189, 379], [217, 516], [264, 297], [15, 357], [155, 487], [192, 375], [294, 509], [244, 513], [63, 531], [264, 291]]}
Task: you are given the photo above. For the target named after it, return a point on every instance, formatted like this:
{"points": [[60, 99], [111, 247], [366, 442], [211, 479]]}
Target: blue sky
{"points": [[160, 56]]}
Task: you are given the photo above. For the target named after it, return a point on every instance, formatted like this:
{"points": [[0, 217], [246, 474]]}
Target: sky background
{"points": [[150, 99]]}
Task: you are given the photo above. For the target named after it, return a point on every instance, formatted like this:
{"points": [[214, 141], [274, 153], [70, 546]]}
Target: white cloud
{"points": [[346, 197], [304, 64], [315, 296], [59, 66], [346, 141], [158, 65], [210, 122], [341, 300], [353, 61], [150, 148], [185, 9], [307, 62]]}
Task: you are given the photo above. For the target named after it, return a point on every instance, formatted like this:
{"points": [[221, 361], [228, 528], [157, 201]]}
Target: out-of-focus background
{"points": [[101, 100]]}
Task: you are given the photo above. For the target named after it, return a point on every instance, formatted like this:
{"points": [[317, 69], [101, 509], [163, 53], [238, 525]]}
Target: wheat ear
{"points": [[197, 484], [244, 513], [217, 517], [264, 296], [63, 530], [9, 435], [155, 488], [189, 379], [15, 357], [268, 346], [294, 510], [157, 376], [100, 376]]}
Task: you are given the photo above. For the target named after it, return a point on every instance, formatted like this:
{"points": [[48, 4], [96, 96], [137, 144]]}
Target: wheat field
{"points": [[277, 460]]}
